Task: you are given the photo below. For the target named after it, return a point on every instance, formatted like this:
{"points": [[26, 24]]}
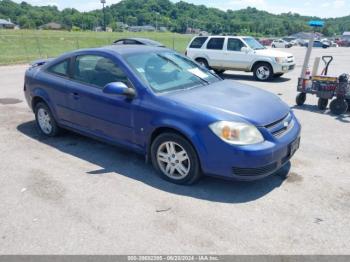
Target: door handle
{"points": [[75, 95]]}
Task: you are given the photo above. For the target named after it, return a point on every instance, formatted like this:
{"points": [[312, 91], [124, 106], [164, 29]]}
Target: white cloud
{"points": [[339, 3]]}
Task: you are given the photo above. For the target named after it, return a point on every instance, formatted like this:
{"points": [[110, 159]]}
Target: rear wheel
{"points": [[45, 120], [175, 159], [300, 99], [263, 72], [322, 103], [203, 62], [338, 106]]}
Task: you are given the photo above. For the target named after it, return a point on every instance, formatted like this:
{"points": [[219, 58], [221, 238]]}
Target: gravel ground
{"points": [[74, 195]]}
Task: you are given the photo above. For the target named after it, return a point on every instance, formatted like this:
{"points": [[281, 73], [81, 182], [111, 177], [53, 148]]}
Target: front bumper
{"points": [[283, 68], [254, 161]]}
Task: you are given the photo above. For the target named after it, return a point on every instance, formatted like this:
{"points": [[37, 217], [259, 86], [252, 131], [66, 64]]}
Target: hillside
{"points": [[175, 16]]}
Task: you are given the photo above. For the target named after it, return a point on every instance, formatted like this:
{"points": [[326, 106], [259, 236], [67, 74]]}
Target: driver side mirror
{"points": [[245, 49], [119, 88]]}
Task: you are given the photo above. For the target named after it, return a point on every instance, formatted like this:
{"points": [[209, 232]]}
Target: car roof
{"points": [[131, 49], [237, 36], [142, 40], [116, 49]]}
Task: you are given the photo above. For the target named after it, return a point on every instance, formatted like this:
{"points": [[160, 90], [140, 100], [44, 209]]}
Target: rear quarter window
{"points": [[198, 42], [60, 69], [216, 43]]}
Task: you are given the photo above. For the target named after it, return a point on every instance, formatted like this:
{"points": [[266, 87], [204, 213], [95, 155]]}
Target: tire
{"points": [[300, 99], [322, 103], [263, 72], [45, 121], [273, 46], [219, 71], [338, 106], [278, 75], [171, 168], [203, 62], [348, 100]]}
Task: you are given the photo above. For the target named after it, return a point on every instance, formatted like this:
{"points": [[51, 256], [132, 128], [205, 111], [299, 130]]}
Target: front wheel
{"points": [[322, 103], [300, 99], [338, 106], [263, 72], [175, 159]]}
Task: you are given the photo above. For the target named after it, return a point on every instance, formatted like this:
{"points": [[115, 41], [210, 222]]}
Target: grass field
{"points": [[22, 46]]}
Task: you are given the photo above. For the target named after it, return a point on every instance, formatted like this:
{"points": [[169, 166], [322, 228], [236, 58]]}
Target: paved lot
{"points": [[73, 195]]}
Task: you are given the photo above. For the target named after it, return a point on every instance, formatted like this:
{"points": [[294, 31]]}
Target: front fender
{"points": [[262, 59], [186, 130]]}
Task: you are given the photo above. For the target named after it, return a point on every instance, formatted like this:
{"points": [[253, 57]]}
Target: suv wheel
{"points": [[45, 120], [175, 159], [203, 62], [263, 71]]}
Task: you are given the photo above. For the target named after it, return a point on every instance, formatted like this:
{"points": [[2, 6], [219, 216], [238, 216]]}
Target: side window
{"points": [[234, 44], [216, 43], [60, 69], [98, 71], [131, 42], [198, 42], [120, 42]]}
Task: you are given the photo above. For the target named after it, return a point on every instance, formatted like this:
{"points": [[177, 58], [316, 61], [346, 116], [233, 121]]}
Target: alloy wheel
{"points": [[173, 160], [44, 121]]}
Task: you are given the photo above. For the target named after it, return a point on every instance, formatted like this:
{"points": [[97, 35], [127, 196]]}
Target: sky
{"points": [[321, 8]]}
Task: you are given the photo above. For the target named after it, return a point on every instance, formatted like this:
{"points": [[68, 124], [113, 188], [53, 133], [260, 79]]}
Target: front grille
{"points": [[239, 171], [281, 127], [284, 130], [290, 59]]}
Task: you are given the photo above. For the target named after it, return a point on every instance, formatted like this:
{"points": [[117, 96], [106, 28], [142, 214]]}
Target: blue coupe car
{"points": [[185, 119]]}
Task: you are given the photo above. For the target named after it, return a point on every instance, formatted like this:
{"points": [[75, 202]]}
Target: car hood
{"points": [[232, 101], [272, 53]]}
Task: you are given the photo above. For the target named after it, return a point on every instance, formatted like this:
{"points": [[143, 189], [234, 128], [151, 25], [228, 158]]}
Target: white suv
{"points": [[242, 53]]}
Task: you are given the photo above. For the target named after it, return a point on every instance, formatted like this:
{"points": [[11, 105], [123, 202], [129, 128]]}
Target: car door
{"points": [[105, 115], [215, 52], [234, 57]]}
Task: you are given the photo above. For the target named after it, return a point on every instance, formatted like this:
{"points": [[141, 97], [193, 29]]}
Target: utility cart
{"points": [[323, 86]]}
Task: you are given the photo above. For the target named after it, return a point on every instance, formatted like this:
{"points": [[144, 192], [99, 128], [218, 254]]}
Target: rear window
{"points": [[216, 43], [198, 42]]}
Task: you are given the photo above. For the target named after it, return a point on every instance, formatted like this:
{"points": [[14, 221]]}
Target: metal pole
{"points": [[307, 56], [103, 2]]}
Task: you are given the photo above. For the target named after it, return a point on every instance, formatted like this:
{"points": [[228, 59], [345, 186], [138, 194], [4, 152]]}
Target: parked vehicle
{"points": [[186, 120], [318, 43], [265, 42], [280, 43], [242, 53], [291, 40], [137, 41]]}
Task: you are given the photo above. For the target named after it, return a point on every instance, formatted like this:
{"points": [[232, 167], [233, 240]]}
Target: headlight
{"points": [[281, 60], [237, 133]]}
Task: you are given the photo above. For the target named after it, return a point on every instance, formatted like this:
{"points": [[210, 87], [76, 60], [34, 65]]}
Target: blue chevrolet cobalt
{"points": [[186, 120]]}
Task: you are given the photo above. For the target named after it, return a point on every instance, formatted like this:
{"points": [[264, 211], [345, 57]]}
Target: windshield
{"points": [[166, 71], [253, 44]]}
